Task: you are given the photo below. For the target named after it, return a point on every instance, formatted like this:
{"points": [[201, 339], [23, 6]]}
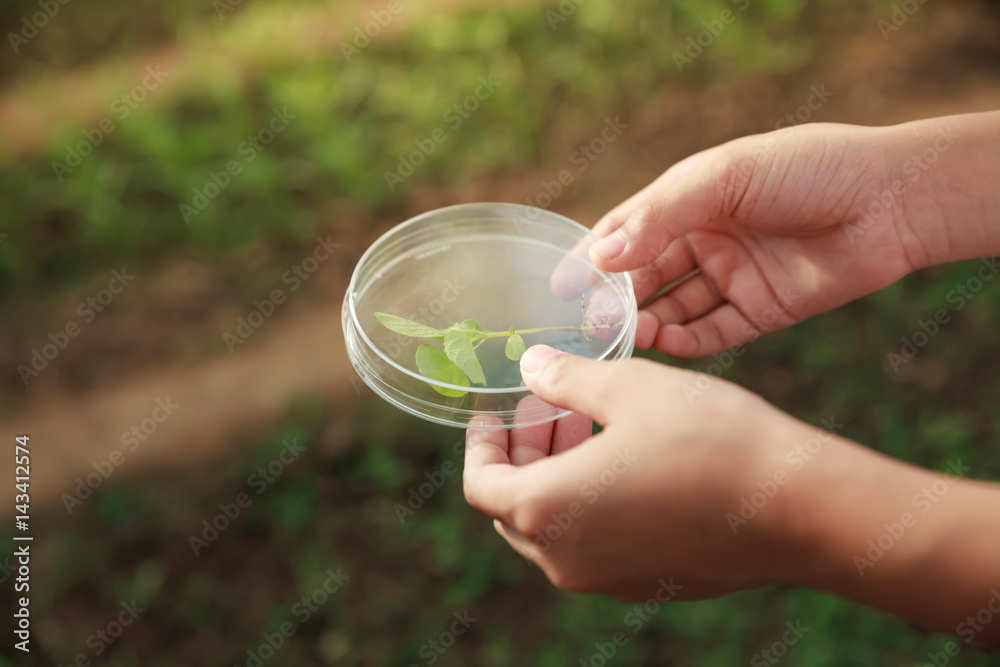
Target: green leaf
{"points": [[471, 325], [514, 348], [434, 364], [401, 325], [458, 347]]}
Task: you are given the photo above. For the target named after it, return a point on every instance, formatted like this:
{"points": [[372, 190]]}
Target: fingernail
{"points": [[535, 357], [610, 246]]}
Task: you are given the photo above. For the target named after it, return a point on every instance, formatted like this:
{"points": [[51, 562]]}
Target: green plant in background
{"points": [[458, 363], [121, 205], [351, 121]]}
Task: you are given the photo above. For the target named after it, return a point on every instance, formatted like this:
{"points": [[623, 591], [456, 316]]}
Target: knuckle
{"points": [[529, 516], [563, 377], [530, 510], [469, 490], [738, 167], [716, 337], [555, 372], [647, 214], [641, 365], [569, 580], [703, 338], [640, 372], [603, 388]]}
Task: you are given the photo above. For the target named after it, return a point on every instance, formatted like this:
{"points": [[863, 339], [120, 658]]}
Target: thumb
{"points": [[698, 191], [594, 388]]}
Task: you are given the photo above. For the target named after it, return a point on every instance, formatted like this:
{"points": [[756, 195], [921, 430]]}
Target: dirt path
{"points": [[225, 398], [205, 407], [218, 47]]}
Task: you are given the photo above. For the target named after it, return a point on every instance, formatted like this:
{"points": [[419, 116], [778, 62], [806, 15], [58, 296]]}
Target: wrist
{"points": [[942, 184], [910, 542], [803, 526], [863, 513], [836, 501], [837, 497]]}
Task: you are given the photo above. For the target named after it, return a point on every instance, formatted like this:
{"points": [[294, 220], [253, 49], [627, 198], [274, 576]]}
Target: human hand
{"points": [[686, 501], [768, 220], [647, 498]]}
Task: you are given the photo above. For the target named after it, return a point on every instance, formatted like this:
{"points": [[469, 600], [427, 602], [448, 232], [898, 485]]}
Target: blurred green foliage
{"points": [[353, 120], [409, 572], [336, 509]]}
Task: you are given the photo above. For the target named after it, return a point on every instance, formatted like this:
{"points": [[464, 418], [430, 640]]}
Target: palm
{"points": [[773, 248]]}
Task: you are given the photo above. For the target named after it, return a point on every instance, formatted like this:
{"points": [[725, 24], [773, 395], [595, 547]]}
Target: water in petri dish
{"points": [[502, 282]]}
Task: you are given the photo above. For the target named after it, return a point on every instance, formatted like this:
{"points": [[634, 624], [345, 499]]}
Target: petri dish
{"points": [[501, 265]]}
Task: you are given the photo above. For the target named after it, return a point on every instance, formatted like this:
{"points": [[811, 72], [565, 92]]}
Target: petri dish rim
{"points": [[537, 416], [402, 227]]}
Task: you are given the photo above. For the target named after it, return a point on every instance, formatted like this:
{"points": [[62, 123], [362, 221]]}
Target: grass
{"points": [[352, 122], [336, 506], [408, 577]]}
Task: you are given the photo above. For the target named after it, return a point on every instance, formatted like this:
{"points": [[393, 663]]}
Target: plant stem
{"points": [[522, 332]]}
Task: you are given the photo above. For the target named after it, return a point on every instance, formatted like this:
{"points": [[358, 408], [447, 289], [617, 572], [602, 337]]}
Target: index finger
{"points": [[617, 216], [574, 276], [489, 479]]}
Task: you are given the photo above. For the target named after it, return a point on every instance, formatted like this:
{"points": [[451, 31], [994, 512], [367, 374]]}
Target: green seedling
{"points": [[457, 363]]}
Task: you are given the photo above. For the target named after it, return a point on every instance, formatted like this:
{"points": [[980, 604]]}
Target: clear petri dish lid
{"points": [[429, 313]]}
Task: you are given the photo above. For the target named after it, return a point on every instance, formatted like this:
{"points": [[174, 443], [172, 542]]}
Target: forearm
{"points": [[920, 545], [944, 181]]}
